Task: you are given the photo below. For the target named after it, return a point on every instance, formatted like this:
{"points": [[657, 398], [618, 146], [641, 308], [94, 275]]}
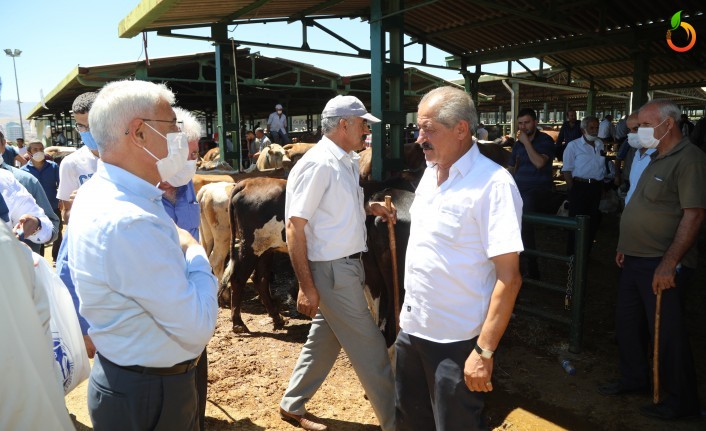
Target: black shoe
{"points": [[666, 413], [619, 389]]}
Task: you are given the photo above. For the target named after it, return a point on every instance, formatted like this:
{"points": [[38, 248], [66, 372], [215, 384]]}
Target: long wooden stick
{"points": [[655, 364], [393, 255]]}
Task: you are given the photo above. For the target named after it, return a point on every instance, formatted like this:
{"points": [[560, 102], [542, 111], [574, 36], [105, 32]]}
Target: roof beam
{"points": [[142, 16], [242, 11], [525, 15], [306, 12]]}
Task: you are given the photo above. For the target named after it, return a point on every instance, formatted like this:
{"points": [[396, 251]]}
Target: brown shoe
{"points": [[307, 422]]}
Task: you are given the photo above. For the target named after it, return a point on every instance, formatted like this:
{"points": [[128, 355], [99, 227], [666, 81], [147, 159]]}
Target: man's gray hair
{"points": [[191, 127], [457, 106], [666, 108], [330, 124], [588, 119], [120, 102]]}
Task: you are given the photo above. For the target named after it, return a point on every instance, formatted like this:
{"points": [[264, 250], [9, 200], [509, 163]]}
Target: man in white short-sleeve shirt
{"points": [[78, 167], [325, 225], [461, 272]]}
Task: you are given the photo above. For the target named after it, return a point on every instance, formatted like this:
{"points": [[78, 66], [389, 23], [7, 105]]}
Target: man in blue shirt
{"points": [[180, 203], [532, 157], [145, 285], [47, 172], [9, 154], [570, 130]]}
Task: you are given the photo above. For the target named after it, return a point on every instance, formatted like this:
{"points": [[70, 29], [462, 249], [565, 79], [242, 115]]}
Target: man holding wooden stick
{"points": [[461, 272], [325, 225], [657, 254]]}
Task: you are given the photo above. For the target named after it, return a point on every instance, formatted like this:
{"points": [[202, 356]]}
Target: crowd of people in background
{"points": [[145, 295]]}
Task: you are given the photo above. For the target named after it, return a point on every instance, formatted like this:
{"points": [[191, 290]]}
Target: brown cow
{"points": [[212, 154], [294, 152], [257, 219], [206, 177]]}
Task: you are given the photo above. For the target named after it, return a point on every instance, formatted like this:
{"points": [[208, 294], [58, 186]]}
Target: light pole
{"points": [[14, 54]]}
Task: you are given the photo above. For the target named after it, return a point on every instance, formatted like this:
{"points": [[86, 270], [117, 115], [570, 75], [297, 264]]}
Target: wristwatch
{"points": [[485, 354]]}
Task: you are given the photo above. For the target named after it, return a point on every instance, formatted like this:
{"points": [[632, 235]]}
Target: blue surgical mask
{"points": [[88, 140]]}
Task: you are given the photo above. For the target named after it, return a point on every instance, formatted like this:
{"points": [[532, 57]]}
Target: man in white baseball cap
{"points": [[325, 225]]}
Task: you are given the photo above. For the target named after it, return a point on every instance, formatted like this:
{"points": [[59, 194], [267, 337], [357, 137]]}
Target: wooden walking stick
{"points": [[655, 362], [393, 255]]}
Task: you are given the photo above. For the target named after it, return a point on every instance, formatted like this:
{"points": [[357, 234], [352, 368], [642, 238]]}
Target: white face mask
{"points": [[184, 175], [177, 154], [590, 138], [634, 140], [647, 136], [38, 156]]}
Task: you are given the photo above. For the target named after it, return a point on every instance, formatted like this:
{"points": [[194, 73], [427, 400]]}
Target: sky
{"points": [[56, 36]]}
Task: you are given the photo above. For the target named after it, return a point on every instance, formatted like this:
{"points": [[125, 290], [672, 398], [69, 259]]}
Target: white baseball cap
{"points": [[347, 106]]}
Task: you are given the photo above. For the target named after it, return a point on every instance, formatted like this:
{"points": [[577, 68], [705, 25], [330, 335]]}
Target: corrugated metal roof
{"points": [[595, 38]]}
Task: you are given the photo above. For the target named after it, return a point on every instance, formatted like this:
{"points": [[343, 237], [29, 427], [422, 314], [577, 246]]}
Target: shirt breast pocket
{"points": [[448, 223], [657, 189]]}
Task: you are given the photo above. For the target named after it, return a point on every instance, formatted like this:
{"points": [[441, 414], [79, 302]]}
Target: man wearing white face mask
{"points": [[179, 200], [584, 169], [47, 172], [145, 285], [657, 253], [637, 158]]}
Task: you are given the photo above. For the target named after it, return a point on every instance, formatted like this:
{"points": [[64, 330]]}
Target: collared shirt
{"points": [[48, 177], [147, 302], [568, 133], [584, 160], [323, 189], [262, 143], [605, 129], [639, 163], [19, 202], [527, 176], [668, 184], [31, 183], [9, 155], [277, 122], [74, 170], [456, 228], [186, 210]]}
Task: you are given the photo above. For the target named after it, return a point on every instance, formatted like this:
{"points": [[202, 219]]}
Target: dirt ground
{"points": [[248, 373]]}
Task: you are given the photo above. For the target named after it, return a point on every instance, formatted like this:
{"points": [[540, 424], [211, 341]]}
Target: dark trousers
{"points": [[59, 238], [202, 388], [119, 399], [635, 321], [584, 199], [431, 392]]}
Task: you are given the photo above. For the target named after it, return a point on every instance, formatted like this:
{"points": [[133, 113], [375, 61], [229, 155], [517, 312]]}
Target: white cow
{"points": [[214, 230]]}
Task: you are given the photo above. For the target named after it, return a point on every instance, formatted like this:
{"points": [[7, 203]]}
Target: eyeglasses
{"points": [[81, 128], [174, 122]]}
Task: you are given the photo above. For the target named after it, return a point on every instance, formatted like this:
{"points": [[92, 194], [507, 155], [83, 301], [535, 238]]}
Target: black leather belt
{"points": [[180, 368], [587, 180], [356, 256]]}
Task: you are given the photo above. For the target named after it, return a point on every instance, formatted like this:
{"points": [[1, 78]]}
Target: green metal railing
{"points": [[576, 280]]}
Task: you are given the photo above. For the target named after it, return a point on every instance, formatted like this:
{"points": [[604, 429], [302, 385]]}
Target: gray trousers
{"points": [[120, 399], [344, 321]]}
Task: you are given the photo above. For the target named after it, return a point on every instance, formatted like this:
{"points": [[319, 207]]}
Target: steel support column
{"points": [[226, 97], [641, 65], [590, 100], [387, 77]]}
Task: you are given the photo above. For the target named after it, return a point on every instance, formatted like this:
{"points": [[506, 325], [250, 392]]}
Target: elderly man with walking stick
{"points": [[657, 254]]}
